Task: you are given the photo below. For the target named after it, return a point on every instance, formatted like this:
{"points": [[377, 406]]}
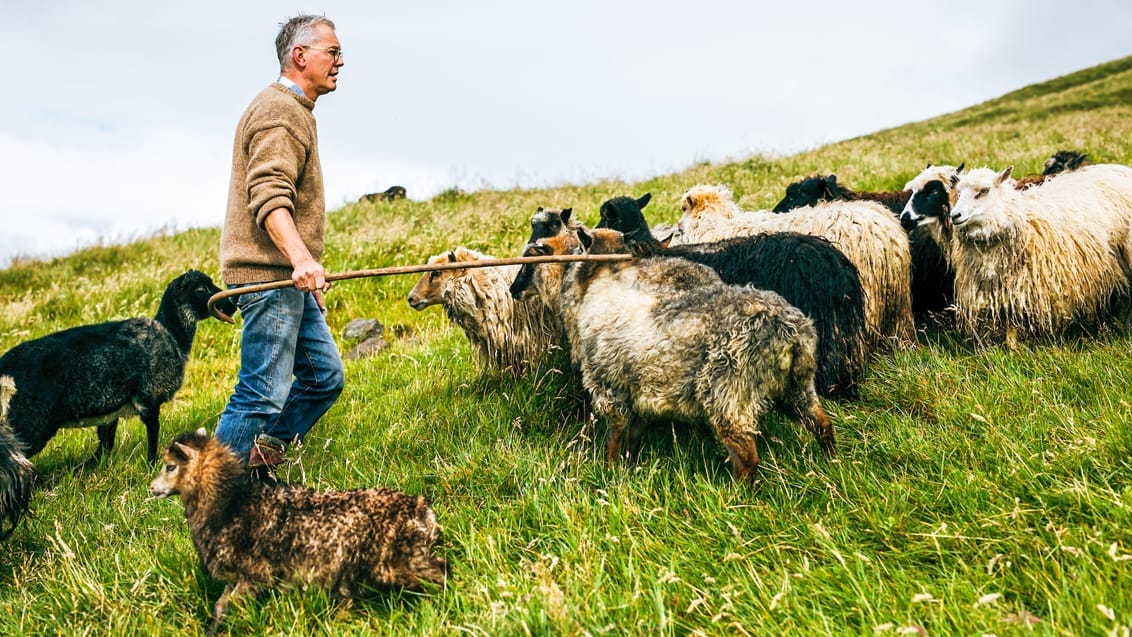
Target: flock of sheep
{"points": [[715, 321], [735, 312]]}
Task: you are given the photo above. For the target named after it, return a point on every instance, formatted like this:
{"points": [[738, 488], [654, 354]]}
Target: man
{"points": [[290, 369]]}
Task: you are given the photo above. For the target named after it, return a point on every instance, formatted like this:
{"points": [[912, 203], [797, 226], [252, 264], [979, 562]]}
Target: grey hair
{"points": [[298, 30]]}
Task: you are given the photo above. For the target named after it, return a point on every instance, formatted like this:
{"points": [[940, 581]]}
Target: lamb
{"points": [[17, 476], [666, 339], [92, 375], [807, 271], [504, 334], [252, 535], [933, 284], [863, 230], [1039, 261]]}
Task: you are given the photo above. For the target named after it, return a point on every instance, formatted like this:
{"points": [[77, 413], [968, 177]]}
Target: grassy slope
{"points": [[977, 490]]}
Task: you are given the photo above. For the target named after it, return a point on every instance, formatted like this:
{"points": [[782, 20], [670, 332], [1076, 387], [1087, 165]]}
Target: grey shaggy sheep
{"points": [[1038, 261], [665, 339], [863, 230], [504, 333], [17, 476], [252, 535], [92, 375]]}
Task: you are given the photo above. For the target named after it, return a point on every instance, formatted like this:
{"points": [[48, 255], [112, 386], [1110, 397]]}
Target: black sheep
{"points": [[933, 283], [807, 271], [91, 375]]}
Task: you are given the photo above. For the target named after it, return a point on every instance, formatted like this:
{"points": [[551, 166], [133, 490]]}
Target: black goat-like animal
{"points": [[809, 272], [90, 376]]}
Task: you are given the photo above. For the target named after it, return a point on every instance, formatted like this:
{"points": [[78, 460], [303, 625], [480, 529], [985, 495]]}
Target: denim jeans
{"points": [[290, 370]]}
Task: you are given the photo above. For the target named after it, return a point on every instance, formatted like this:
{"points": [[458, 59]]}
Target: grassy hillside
{"points": [[978, 490]]}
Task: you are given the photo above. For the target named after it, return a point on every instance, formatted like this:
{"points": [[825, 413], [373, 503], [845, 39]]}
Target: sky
{"points": [[120, 114]]}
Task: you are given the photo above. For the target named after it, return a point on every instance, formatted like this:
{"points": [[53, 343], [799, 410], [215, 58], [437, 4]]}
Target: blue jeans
{"points": [[290, 370]]}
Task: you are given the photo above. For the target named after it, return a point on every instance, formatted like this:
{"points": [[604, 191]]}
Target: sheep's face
{"points": [[547, 222], [625, 214], [430, 287], [604, 241], [543, 279], [981, 197], [933, 194], [1064, 161], [811, 191], [705, 204]]}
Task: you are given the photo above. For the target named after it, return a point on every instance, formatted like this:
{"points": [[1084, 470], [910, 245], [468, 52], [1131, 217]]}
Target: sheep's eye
{"points": [[982, 192], [170, 468]]}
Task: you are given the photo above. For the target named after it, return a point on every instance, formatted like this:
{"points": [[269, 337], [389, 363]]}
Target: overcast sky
{"points": [[121, 113]]}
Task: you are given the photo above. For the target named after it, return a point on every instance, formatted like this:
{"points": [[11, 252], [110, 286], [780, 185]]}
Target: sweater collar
{"points": [[290, 86]]}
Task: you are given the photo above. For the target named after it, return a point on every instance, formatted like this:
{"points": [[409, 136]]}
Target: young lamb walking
{"points": [[809, 272], [504, 333], [92, 375], [17, 476], [863, 230], [664, 339], [251, 535]]}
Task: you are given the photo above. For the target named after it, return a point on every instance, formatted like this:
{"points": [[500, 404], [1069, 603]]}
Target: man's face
{"points": [[322, 66]]}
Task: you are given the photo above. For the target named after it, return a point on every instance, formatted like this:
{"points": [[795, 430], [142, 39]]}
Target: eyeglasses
{"points": [[335, 54]]}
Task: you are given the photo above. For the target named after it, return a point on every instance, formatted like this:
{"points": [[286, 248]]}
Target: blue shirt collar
{"points": [[289, 83]]}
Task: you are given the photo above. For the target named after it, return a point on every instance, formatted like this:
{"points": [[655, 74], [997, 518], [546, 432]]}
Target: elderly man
{"points": [[290, 369]]}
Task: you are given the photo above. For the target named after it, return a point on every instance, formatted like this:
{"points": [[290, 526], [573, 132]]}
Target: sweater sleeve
{"points": [[276, 159]]}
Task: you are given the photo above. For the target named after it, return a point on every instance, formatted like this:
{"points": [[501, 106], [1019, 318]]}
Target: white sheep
{"points": [[1040, 260], [864, 231], [505, 333]]}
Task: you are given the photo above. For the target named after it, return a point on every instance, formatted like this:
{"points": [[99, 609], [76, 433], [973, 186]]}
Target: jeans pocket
{"points": [[249, 299]]}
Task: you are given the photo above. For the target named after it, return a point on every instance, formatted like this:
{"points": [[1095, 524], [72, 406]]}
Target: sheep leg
{"points": [[617, 423], [231, 591], [105, 443], [152, 428], [742, 451], [810, 413]]}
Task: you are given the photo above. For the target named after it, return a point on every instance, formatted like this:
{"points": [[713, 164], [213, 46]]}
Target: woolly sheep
{"points": [[809, 272], [89, 376], [665, 339], [933, 284], [863, 230], [251, 534], [1038, 261], [505, 334]]}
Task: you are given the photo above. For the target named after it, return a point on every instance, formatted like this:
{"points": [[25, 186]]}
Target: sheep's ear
{"points": [[644, 200], [539, 209], [665, 242], [566, 212], [928, 166], [830, 186], [189, 452], [451, 256], [585, 238], [1004, 175], [540, 250], [960, 168]]}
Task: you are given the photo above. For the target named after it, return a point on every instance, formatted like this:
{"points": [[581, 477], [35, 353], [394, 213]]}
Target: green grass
{"points": [[978, 490]]}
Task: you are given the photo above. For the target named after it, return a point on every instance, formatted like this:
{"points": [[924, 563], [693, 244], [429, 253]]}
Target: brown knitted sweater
{"points": [[274, 165]]}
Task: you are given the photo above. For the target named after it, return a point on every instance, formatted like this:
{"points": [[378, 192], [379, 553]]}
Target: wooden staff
{"points": [[409, 269]]}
